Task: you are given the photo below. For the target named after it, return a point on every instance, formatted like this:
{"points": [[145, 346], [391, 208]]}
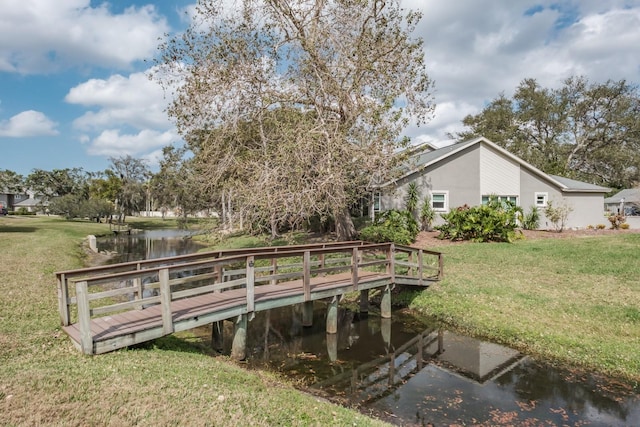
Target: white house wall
{"points": [[498, 175]]}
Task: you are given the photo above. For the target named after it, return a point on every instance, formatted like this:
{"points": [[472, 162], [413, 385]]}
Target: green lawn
{"points": [[44, 380], [574, 300]]}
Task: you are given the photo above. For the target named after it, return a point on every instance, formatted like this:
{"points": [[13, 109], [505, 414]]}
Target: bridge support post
{"points": [[385, 305], [332, 346], [385, 331], [364, 301], [307, 314], [332, 316], [217, 336], [239, 345]]}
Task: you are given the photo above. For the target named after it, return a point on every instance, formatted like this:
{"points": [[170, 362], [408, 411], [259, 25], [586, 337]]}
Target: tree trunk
{"points": [[344, 225]]}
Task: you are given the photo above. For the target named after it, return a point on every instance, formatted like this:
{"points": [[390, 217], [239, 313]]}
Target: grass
{"points": [[573, 300], [44, 380]]}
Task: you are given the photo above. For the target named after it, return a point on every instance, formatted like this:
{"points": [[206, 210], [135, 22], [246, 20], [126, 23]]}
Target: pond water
{"points": [[148, 244], [406, 370]]}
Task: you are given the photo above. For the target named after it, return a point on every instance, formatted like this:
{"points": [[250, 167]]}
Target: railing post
{"points": [[420, 258], [354, 268], [251, 277], [274, 270], [63, 300], [165, 301], [218, 279], [411, 264], [306, 275], [84, 317], [391, 262]]}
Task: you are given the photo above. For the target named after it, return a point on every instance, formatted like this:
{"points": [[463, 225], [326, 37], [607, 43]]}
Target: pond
{"points": [[406, 370]]}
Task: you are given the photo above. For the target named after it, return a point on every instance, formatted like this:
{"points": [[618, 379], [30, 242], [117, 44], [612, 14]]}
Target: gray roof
{"points": [[573, 185], [630, 195], [31, 202], [426, 158]]}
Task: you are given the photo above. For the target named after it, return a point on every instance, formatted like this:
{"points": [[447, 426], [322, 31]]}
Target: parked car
{"points": [[631, 210]]}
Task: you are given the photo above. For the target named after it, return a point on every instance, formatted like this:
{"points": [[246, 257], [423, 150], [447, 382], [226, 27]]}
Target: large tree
{"points": [[11, 181], [59, 182], [133, 175], [279, 83], [588, 131]]}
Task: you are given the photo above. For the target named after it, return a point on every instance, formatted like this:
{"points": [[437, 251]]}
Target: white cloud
{"points": [[112, 143], [42, 36], [135, 101], [26, 124], [474, 51]]}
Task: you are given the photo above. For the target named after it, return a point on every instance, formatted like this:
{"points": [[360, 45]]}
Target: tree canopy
{"points": [[293, 108], [582, 130]]}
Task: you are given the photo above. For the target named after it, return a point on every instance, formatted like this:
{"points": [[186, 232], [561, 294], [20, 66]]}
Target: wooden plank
{"points": [[133, 304], [420, 259], [84, 317], [354, 268], [63, 303], [250, 285], [165, 301], [306, 278]]}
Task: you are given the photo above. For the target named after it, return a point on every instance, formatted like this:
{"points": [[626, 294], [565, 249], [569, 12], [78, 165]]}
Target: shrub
{"points": [[601, 226], [557, 215], [392, 226], [616, 220], [531, 220], [495, 221], [427, 214], [624, 226]]}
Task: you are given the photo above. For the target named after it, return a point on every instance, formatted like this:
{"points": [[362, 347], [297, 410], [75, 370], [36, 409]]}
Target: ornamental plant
{"points": [[392, 226], [494, 222]]}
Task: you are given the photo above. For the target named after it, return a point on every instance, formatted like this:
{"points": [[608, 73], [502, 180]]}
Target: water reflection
{"points": [[417, 374], [148, 244]]}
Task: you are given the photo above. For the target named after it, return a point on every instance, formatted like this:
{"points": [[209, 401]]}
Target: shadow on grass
{"points": [[5, 229], [173, 343]]}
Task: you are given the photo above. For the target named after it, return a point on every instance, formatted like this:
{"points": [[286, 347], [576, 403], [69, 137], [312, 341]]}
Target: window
{"points": [[541, 199], [439, 201], [376, 202], [512, 199]]}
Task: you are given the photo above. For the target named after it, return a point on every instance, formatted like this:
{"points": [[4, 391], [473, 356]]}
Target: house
{"points": [[471, 171], [8, 199], [627, 201], [32, 204]]}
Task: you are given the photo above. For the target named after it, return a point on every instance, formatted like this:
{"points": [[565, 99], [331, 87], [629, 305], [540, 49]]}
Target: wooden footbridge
{"points": [[113, 306]]}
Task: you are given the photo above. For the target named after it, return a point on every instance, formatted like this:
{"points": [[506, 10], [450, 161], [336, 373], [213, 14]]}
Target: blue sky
{"points": [[73, 88]]}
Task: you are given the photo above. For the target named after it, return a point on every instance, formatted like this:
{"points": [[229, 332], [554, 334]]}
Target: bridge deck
{"points": [[121, 305]]}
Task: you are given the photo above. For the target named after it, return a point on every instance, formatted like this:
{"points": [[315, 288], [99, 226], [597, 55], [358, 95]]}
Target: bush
{"points": [[392, 226], [531, 220], [616, 220], [495, 221], [624, 226], [557, 215], [601, 226]]}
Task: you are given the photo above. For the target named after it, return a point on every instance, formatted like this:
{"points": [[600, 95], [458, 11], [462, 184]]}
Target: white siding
{"points": [[498, 175]]}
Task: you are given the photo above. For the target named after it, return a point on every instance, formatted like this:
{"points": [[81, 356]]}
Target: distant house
{"points": [[628, 202], [8, 199], [31, 204], [469, 172]]}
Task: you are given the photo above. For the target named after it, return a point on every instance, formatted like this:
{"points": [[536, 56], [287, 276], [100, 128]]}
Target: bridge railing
{"points": [[89, 293]]}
